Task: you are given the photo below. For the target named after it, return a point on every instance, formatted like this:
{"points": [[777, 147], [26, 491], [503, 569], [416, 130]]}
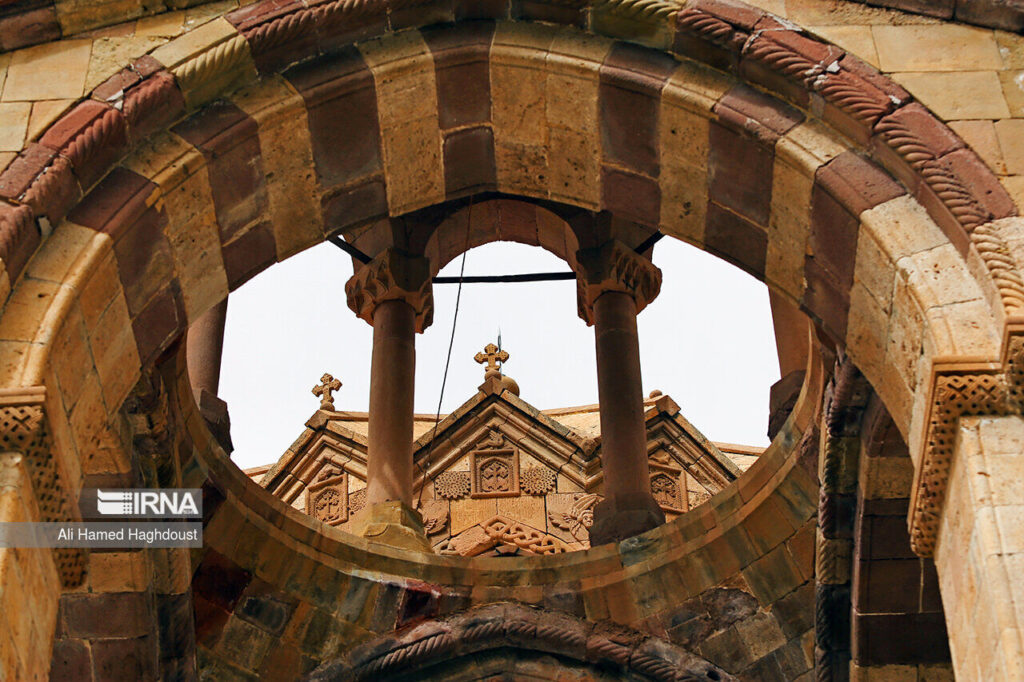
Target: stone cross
{"points": [[492, 356], [324, 389]]}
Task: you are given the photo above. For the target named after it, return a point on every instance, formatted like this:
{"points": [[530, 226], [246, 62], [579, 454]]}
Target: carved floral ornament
{"points": [[960, 389], [392, 276], [614, 267]]}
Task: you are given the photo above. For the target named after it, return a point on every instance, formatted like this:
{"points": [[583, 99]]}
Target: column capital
{"points": [[392, 276], [613, 266]]}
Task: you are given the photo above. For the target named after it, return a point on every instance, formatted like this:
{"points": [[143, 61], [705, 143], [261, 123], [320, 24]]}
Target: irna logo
{"points": [[159, 503]]}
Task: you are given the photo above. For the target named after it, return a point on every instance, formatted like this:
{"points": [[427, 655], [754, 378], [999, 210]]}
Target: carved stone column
{"points": [[393, 294], [204, 347], [614, 284]]}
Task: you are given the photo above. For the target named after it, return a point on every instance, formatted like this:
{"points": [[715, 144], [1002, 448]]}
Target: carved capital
{"points": [[392, 276], [614, 267], [24, 429]]}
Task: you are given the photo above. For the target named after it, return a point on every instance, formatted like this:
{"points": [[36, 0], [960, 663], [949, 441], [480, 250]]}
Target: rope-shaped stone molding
{"points": [[995, 252], [710, 27], [221, 58], [640, 10], [152, 93], [102, 129], [501, 625]]}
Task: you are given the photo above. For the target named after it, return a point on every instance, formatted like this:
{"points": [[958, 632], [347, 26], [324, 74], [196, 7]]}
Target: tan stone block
{"points": [[1011, 49], [887, 477], [5, 160], [981, 136], [901, 227], [44, 114], [100, 289], [1010, 136], [574, 170], [939, 276], [959, 95], [1013, 91], [518, 103], [788, 228], [857, 40], [1014, 186], [26, 310], [534, 37], [522, 168], [1010, 519], [118, 571], [403, 71], [809, 145], [287, 155], [166, 159], [201, 13], [110, 55], [837, 12], [49, 71], [866, 331], [695, 87], [413, 165], [683, 201], [468, 512], [195, 42], [777, 7], [166, 25], [92, 434], [114, 350], [71, 356], [14, 118], [59, 254], [194, 238], [943, 47], [76, 16], [972, 327], [5, 61]]}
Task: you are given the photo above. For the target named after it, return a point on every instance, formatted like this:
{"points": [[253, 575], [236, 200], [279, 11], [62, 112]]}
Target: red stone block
{"points": [[338, 28], [517, 221], [19, 238], [28, 27], [754, 113], [870, 76], [630, 196], [114, 87], [248, 254], [147, 65], [144, 261], [1005, 14], [935, 8], [833, 238], [569, 12], [857, 183], [92, 136], [462, 72], [740, 173], [823, 302], [229, 141], [983, 185], [24, 169], [735, 239], [110, 614], [469, 165], [786, 49], [920, 125], [54, 192], [341, 104], [738, 14], [71, 660], [117, 202], [125, 660], [629, 98], [262, 13], [354, 205], [159, 324], [416, 14], [480, 9], [152, 105]]}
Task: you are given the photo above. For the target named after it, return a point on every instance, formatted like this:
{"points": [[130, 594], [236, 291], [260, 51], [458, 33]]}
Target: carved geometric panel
{"points": [[668, 490], [327, 497], [537, 480], [494, 473]]}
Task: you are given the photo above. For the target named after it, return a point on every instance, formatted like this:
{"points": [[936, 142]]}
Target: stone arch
{"points": [[616, 651]]}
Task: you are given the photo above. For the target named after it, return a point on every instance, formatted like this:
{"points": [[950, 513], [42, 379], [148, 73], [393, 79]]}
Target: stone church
{"points": [[498, 477], [863, 158]]}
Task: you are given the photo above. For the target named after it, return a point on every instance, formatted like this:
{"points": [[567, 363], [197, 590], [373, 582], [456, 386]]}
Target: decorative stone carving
{"points": [[537, 480], [452, 485], [392, 276], [356, 501], [325, 389], [667, 491], [495, 473], [614, 267], [327, 498], [490, 358], [435, 516], [580, 517], [24, 429], [501, 529]]}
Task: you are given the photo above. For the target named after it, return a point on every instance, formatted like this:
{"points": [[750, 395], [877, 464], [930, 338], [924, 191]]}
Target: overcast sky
{"points": [[706, 340]]}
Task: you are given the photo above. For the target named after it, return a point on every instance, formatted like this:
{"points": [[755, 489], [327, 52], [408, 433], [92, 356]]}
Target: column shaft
{"points": [[205, 347], [623, 433], [389, 470]]}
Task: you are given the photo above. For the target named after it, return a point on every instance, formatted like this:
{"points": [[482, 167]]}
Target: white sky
{"points": [[706, 341]]}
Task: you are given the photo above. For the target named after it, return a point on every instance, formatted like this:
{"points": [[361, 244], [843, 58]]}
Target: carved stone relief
{"points": [[537, 480], [495, 473], [327, 497], [452, 485], [668, 489], [579, 518]]}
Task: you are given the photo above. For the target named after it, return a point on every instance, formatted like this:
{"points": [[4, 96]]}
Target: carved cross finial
{"points": [[492, 355], [324, 390]]}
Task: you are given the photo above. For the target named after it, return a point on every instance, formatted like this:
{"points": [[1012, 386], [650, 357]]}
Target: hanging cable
{"points": [[448, 358]]}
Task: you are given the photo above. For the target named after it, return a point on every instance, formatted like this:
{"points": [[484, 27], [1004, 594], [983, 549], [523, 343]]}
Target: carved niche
{"points": [[494, 468], [668, 489], [327, 496]]}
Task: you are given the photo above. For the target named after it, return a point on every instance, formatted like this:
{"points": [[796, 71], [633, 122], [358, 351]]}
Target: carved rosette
{"points": [[614, 267], [24, 429], [392, 276], [537, 480], [327, 497]]}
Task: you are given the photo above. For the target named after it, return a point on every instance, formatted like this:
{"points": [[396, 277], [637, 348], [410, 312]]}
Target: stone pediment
{"points": [[498, 476]]}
